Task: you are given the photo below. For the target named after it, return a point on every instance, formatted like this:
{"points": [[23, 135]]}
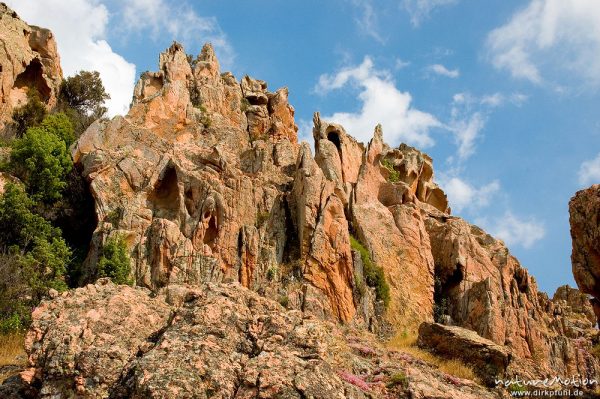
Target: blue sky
{"points": [[504, 95]]}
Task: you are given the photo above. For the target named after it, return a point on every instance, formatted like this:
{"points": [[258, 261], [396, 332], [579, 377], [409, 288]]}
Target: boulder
{"points": [[213, 340], [92, 333], [488, 359]]}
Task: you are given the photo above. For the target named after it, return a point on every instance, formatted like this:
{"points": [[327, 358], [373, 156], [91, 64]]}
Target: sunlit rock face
{"points": [[28, 60], [584, 210], [206, 180]]}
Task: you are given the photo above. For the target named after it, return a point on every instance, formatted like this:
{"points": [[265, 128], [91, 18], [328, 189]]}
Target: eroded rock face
{"points": [[205, 180], [482, 287], [584, 210], [212, 340], [572, 302], [181, 177], [28, 60], [389, 221], [323, 233]]}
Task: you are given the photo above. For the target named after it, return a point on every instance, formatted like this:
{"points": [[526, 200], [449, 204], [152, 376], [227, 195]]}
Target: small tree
{"points": [[85, 93], [114, 261], [82, 99], [41, 159], [29, 115]]}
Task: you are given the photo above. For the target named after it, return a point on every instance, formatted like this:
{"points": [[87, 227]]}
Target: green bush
{"points": [[244, 104], [114, 261], [394, 175], [29, 115], [374, 275], [359, 284], [284, 301], [440, 305], [41, 159], [12, 324], [261, 218], [516, 387], [398, 379], [272, 273], [33, 257], [205, 118], [440, 309], [61, 126]]}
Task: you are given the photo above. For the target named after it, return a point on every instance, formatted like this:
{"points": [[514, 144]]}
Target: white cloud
{"points": [[464, 196], [420, 9], [177, 19], [469, 114], [80, 28], [550, 38], [466, 132], [589, 171], [382, 103], [465, 124], [367, 19], [513, 230], [498, 99], [441, 70], [493, 100], [400, 64]]}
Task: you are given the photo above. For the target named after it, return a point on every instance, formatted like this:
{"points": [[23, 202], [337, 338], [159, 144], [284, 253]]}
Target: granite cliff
{"points": [[262, 270], [29, 60]]}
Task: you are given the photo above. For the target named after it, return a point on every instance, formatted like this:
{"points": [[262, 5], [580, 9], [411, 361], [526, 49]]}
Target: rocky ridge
{"points": [[206, 180], [243, 248]]}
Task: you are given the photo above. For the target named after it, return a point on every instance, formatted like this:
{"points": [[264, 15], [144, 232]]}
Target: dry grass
{"points": [[406, 342], [12, 353]]}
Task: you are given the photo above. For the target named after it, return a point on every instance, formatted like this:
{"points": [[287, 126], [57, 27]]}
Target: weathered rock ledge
{"points": [[214, 340]]}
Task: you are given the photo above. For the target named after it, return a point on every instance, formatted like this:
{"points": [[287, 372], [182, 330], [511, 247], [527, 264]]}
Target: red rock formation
{"points": [[28, 60], [218, 340], [584, 209], [209, 184]]}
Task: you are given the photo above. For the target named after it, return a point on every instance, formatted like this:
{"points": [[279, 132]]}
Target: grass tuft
{"points": [[12, 352], [407, 343]]}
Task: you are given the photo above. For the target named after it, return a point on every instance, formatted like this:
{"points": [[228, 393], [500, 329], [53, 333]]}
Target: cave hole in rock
{"points": [[191, 202], [521, 280], [212, 231], [443, 289], [33, 78], [153, 85], [165, 196], [334, 137]]}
